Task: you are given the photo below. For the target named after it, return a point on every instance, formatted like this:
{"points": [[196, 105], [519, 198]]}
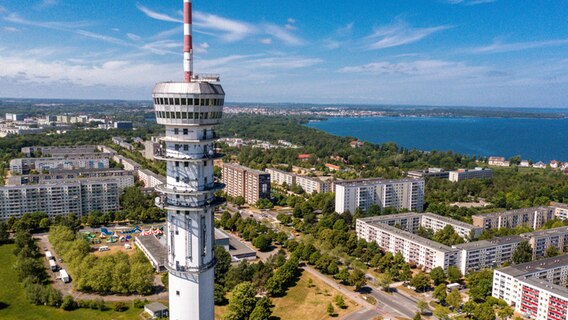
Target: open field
{"points": [[14, 305], [303, 303]]}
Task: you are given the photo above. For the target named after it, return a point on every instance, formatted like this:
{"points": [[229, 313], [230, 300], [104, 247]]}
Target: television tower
{"points": [[190, 110]]}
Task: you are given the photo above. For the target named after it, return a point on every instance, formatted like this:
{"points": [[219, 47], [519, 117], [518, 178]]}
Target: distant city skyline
{"points": [[429, 52]]}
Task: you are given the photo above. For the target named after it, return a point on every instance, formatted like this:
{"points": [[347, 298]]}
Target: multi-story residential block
{"points": [[430, 173], [79, 197], [150, 179], [483, 254], [280, 177], [119, 141], [246, 182], [25, 165], [151, 148], [398, 194], [465, 174], [312, 184], [52, 151], [536, 289], [543, 239], [14, 117], [128, 164], [423, 252], [122, 177], [560, 210], [532, 217]]}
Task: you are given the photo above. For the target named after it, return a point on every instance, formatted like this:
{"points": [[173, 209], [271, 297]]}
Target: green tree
{"points": [[239, 201], [262, 310], [219, 295], [440, 293], [522, 253], [330, 310], [505, 312], [438, 276], [343, 275], [484, 311], [223, 264], [4, 234], [417, 316], [340, 302], [454, 299], [422, 306], [442, 313], [421, 281], [551, 251], [405, 273], [357, 279], [384, 280], [454, 274], [263, 242], [242, 302]]}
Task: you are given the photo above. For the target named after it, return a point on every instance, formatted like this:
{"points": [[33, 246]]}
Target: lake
{"points": [[533, 139]]}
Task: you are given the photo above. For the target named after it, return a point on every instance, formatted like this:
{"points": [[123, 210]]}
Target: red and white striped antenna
{"points": [[187, 42]]}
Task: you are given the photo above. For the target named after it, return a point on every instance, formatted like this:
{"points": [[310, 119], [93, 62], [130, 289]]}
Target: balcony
{"points": [[173, 155], [201, 189], [179, 205]]}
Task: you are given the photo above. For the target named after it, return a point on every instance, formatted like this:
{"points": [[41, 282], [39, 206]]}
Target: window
{"points": [[196, 102], [185, 147], [177, 179], [178, 115], [185, 131], [168, 114], [183, 101], [177, 146], [203, 102], [205, 163], [177, 164], [186, 164], [184, 115], [172, 101], [166, 101], [206, 102], [176, 131], [190, 101], [177, 293]]}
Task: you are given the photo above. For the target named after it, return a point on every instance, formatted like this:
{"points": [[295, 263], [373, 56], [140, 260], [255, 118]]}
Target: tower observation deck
{"points": [[190, 110]]}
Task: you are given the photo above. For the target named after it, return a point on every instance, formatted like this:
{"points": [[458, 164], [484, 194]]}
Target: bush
{"points": [[68, 304], [139, 304], [120, 306]]}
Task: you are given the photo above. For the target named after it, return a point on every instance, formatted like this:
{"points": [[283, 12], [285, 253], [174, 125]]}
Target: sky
{"points": [[502, 53]]}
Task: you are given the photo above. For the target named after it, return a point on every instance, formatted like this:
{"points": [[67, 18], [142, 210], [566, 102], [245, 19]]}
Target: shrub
{"points": [[120, 306], [68, 304]]}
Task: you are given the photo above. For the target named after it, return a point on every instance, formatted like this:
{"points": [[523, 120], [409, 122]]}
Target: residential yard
{"points": [[14, 305], [303, 303]]}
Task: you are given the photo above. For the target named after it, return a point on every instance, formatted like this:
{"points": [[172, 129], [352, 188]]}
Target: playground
{"points": [[108, 241]]}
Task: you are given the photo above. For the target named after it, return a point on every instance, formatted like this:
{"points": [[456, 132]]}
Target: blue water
{"points": [[533, 139]]}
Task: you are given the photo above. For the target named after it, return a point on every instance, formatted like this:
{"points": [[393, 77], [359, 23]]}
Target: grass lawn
{"points": [[15, 305], [303, 303]]}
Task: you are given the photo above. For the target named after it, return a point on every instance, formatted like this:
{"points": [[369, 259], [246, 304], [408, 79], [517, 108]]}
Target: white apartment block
{"points": [[537, 290], [425, 253], [532, 217], [280, 177], [128, 164], [53, 151], [79, 197], [398, 194], [465, 174], [25, 165], [122, 177], [543, 239], [482, 254], [560, 210], [312, 184], [150, 179]]}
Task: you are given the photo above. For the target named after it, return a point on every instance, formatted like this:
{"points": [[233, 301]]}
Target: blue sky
{"points": [[428, 52]]}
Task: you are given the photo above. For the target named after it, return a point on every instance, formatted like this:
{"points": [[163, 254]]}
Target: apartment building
{"points": [[560, 210], [280, 177], [483, 254], [128, 164], [122, 143], [313, 184], [398, 194], [246, 182], [536, 289], [122, 177], [151, 148], [150, 179], [498, 162], [53, 151], [79, 197], [423, 252], [465, 174], [25, 165], [532, 217], [430, 173], [543, 239]]}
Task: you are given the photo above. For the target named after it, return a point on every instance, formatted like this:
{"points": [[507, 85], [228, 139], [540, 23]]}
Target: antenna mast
{"points": [[187, 41]]}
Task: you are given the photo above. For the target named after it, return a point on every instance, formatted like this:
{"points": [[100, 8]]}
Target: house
{"points": [[156, 310], [332, 167], [554, 164], [539, 165], [304, 156], [498, 162], [524, 164], [356, 144]]}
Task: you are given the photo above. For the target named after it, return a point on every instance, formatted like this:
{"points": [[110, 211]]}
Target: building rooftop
{"points": [[415, 214], [243, 168], [557, 290], [449, 220], [545, 233], [511, 212], [412, 237], [528, 268], [372, 181], [156, 307], [481, 244]]}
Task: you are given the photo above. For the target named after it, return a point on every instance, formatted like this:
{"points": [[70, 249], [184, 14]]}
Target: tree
{"points": [[384, 280], [262, 310], [480, 284], [4, 234], [442, 313], [484, 311], [242, 302], [421, 281], [223, 264], [454, 274], [405, 273], [448, 236], [454, 299], [330, 310], [340, 302], [551, 251], [440, 293], [132, 198], [263, 242], [505, 312], [417, 316], [522, 253], [357, 279], [343, 275], [68, 304], [239, 201], [422, 306], [438, 276], [219, 294]]}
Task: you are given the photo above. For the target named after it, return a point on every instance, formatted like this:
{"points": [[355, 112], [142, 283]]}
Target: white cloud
{"points": [[498, 46], [282, 34], [233, 30], [201, 48], [266, 40], [133, 37], [470, 2], [157, 15], [332, 44], [55, 25], [11, 29], [399, 34]]}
